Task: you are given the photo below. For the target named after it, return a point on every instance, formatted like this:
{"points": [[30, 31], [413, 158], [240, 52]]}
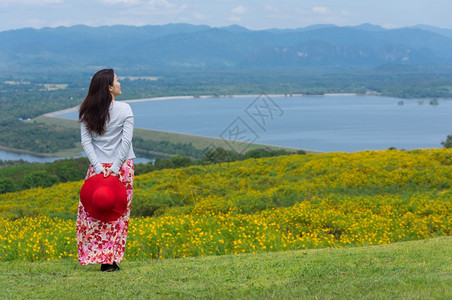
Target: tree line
{"points": [[29, 175]]}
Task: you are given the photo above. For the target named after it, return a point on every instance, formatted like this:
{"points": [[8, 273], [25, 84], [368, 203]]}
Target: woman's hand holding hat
{"points": [[107, 172]]}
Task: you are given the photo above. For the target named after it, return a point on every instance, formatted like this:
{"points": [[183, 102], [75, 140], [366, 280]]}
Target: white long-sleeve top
{"points": [[115, 145]]}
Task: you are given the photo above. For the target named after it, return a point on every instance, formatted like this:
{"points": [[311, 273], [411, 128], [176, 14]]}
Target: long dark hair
{"points": [[94, 110]]}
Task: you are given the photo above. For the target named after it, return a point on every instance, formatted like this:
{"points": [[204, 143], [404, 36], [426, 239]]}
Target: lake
{"points": [[324, 123], [327, 123], [8, 155]]}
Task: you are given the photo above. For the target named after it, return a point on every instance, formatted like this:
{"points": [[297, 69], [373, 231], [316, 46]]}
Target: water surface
{"points": [[327, 123]]}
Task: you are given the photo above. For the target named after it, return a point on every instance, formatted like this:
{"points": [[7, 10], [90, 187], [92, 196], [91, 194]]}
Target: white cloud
{"points": [[235, 19], [320, 9], [159, 4], [161, 12], [239, 10], [200, 17]]}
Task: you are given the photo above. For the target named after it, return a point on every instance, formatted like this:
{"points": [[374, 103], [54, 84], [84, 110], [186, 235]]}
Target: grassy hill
{"points": [[296, 226], [408, 270]]}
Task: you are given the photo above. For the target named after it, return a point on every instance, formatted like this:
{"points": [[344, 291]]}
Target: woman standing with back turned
{"points": [[106, 136]]}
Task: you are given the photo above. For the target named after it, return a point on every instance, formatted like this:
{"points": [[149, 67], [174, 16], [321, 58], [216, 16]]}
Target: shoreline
{"points": [[55, 114]]}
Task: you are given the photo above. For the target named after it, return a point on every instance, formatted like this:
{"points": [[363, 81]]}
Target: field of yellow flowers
{"points": [[267, 204]]}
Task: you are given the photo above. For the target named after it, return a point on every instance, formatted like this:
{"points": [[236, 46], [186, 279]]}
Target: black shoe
{"points": [[108, 268], [116, 266]]}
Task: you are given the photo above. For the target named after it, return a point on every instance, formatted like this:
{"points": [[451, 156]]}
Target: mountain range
{"points": [[186, 46]]}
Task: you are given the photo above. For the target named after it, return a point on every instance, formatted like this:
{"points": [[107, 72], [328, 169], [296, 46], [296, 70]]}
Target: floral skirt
{"points": [[101, 242]]}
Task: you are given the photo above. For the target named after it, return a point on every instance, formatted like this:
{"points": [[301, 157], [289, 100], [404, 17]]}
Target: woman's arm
{"points": [[126, 141], [87, 143]]}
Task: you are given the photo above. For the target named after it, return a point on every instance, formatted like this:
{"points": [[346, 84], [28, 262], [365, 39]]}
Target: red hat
{"points": [[104, 198]]}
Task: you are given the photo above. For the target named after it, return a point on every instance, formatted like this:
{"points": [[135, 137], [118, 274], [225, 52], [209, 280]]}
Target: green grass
{"points": [[409, 270]]}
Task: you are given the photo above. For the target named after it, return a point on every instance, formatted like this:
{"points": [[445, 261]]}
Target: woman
{"points": [[106, 135]]}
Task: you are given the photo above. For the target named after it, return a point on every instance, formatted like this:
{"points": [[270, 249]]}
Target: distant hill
{"points": [[442, 31], [233, 47]]}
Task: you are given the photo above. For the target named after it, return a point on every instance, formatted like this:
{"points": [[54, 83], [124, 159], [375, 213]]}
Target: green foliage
{"points": [[155, 206], [213, 156], [219, 155], [422, 82], [10, 163], [26, 101], [29, 175], [69, 169], [7, 185], [36, 137], [257, 153], [39, 179], [448, 142], [149, 147], [20, 102]]}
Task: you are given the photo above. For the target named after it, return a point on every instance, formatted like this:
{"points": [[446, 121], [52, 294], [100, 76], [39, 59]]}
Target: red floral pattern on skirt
{"points": [[101, 242]]}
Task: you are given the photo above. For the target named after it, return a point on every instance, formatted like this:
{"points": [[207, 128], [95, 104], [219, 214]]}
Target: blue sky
{"points": [[252, 14]]}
